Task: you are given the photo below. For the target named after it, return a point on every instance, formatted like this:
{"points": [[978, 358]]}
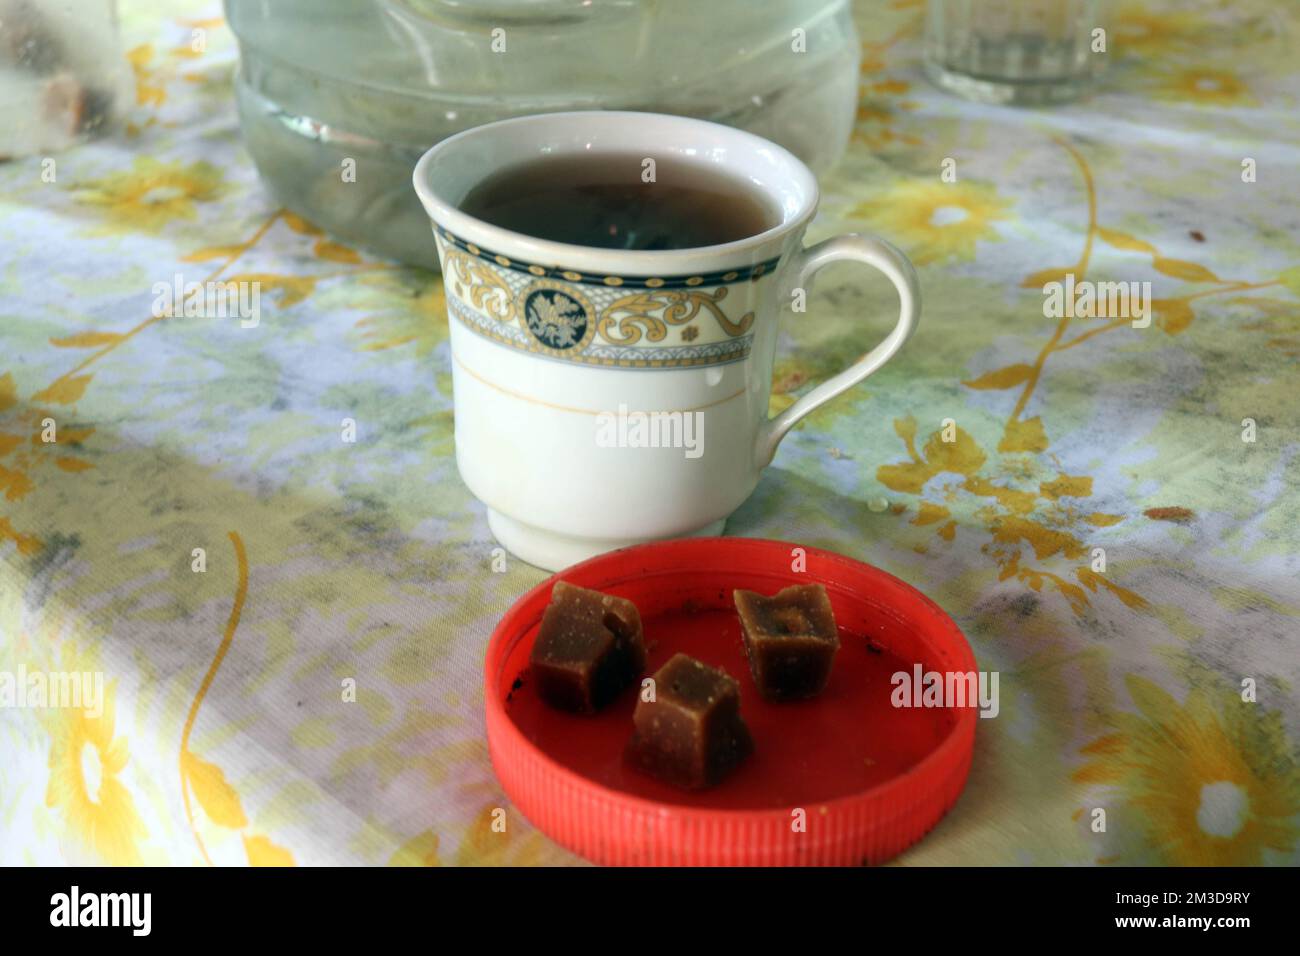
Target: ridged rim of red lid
{"points": [[612, 827]]}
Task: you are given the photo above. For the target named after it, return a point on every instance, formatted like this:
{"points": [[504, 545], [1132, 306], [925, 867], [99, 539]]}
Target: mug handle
{"points": [[804, 267]]}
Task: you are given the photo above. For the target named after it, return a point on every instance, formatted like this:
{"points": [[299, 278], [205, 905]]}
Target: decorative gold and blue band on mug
{"points": [[596, 322], [720, 277]]}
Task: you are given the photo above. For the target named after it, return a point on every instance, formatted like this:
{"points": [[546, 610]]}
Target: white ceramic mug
{"points": [[570, 362]]}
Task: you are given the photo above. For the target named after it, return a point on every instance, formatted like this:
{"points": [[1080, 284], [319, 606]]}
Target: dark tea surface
{"points": [[603, 202]]}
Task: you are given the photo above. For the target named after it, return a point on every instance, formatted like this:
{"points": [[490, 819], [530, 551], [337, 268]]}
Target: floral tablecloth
{"points": [[291, 626]]}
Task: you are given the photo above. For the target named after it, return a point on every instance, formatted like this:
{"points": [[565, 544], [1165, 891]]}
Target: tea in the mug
{"points": [[604, 201]]}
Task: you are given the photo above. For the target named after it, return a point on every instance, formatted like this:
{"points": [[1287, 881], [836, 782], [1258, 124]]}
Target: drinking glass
{"points": [[1015, 51]]}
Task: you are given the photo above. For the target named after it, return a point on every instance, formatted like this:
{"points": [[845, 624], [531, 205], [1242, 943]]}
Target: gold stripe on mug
{"points": [[580, 411]]}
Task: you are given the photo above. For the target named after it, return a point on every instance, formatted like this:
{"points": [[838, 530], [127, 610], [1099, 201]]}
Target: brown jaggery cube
{"points": [[790, 640], [691, 735], [588, 650]]}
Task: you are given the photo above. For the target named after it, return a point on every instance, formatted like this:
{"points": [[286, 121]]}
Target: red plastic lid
{"points": [[845, 778]]}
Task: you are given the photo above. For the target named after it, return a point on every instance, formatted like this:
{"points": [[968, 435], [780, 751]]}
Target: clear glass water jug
{"points": [[371, 84]]}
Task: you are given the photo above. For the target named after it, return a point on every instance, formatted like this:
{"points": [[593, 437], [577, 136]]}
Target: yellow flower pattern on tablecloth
{"points": [[1205, 87], [1214, 780], [152, 193], [935, 221], [1031, 514], [85, 789], [1141, 31]]}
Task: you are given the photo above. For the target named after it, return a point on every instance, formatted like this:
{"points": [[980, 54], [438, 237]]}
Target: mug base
{"points": [[552, 551]]}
